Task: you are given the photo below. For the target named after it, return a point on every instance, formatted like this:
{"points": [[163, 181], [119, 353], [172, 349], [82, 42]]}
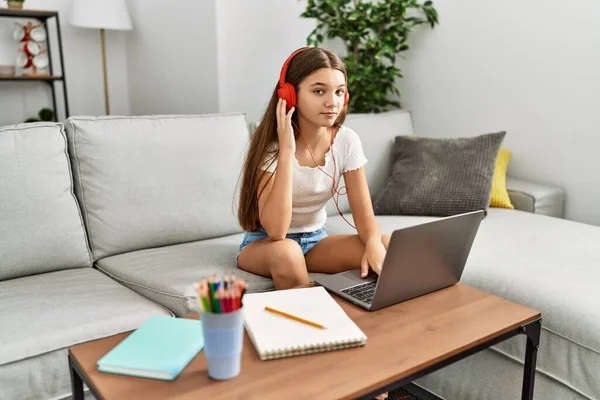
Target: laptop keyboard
{"points": [[363, 292]]}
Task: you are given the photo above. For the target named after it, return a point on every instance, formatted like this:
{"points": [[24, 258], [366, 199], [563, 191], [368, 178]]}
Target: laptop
{"points": [[420, 259]]}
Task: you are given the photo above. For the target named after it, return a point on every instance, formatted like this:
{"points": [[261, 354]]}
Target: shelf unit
{"points": [[43, 16]]}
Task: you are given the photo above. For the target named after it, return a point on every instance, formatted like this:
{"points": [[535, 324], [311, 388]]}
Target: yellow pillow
{"points": [[499, 197]]}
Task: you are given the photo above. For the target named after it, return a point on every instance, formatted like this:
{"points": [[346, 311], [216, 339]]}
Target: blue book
{"points": [[159, 349]]}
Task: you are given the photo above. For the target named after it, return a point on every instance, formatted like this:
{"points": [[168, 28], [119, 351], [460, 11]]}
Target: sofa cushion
{"points": [[167, 274], [154, 181], [41, 229], [440, 176], [44, 314], [376, 132]]}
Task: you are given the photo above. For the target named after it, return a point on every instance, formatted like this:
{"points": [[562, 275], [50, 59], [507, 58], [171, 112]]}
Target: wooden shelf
{"points": [[31, 78], [26, 13]]}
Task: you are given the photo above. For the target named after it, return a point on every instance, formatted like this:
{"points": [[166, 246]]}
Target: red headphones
{"points": [[287, 91]]}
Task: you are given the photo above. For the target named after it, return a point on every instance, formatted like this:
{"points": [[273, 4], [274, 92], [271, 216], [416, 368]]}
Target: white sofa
{"points": [[107, 221]]}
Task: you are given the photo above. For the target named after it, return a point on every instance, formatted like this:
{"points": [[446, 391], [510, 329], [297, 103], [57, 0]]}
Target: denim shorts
{"points": [[306, 240]]}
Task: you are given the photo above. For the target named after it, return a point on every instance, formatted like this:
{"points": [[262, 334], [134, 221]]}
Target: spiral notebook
{"points": [[276, 336]]}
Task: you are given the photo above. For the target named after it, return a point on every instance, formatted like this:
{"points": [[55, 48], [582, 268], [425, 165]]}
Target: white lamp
{"points": [[101, 14]]}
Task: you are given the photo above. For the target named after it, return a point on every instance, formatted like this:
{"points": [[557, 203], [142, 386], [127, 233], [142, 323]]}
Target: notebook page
{"points": [[274, 333]]}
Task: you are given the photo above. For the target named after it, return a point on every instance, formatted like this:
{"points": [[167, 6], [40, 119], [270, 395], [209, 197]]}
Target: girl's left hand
{"points": [[373, 257]]}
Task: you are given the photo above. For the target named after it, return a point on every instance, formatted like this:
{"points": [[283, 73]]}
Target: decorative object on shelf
{"points": [[106, 14], [373, 33], [29, 31], [32, 56], [15, 4], [45, 114]]}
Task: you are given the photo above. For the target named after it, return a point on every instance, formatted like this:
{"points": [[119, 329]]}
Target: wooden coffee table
{"points": [[405, 342]]}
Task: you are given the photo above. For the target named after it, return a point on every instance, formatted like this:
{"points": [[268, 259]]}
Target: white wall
{"points": [[83, 65], [531, 68], [172, 57], [210, 56], [254, 38]]}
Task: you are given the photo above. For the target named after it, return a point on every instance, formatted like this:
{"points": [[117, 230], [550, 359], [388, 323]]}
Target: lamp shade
{"points": [[101, 14]]}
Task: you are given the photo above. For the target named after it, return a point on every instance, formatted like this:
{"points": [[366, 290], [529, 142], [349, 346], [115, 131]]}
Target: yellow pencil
{"points": [[290, 316]]}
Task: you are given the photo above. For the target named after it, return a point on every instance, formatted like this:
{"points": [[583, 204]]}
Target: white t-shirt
{"points": [[311, 188]]}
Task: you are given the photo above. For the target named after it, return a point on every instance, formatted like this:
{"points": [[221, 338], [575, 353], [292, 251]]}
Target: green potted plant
{"points": [[374, 33], [15, 4]]}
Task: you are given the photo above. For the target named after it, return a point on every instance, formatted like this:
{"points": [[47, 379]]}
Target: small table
{"points": [[405, 342]]}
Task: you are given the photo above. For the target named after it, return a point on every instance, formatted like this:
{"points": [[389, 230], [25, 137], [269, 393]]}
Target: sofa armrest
{"points": [[536, 198]]}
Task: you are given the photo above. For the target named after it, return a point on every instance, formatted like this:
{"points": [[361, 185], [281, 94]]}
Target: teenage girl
{"points": [[295, 160]]}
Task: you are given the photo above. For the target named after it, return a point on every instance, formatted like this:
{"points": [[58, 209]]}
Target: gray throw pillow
{"points": [[440, 176]]}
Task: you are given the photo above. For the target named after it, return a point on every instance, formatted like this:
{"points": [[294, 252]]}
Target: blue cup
{"points": [[223, 341]]}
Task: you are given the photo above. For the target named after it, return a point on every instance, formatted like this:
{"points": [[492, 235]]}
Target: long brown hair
{"points": [[259, 151]]}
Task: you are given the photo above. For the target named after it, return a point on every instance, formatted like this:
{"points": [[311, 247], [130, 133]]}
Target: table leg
{"points": [[532, 331], [76, 382]]}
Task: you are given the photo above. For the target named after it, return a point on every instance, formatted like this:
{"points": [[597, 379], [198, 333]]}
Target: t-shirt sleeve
{"points": [[355, 156], [270, 159]]}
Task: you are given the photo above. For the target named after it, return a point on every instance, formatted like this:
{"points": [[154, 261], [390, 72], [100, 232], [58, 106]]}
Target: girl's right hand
{"points": [[285, 132]]}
